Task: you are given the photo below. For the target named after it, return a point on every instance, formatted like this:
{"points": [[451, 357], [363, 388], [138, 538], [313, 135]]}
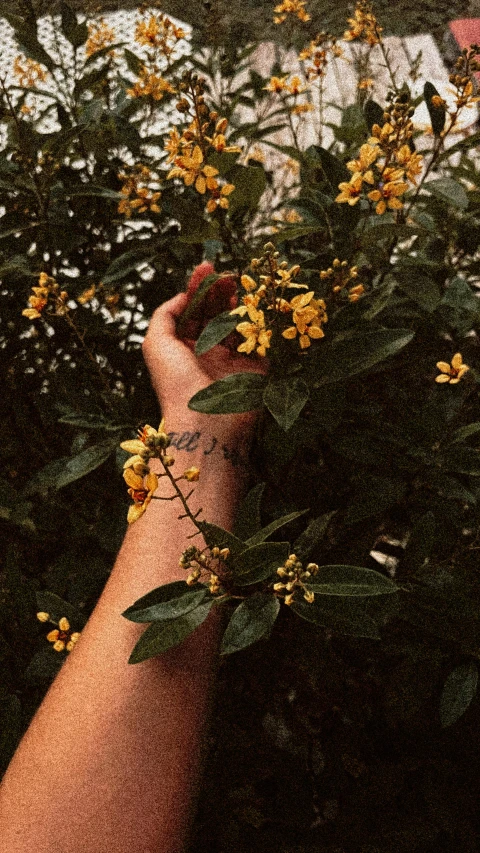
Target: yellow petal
{"points": [[443, 366], [442, 378], [133, 480], [248, 283], [151, 481], [304, 341], [135, 446], [134, 512], [53, 635], [457, 360], [290, 333], [200, 185], [64, 624]]}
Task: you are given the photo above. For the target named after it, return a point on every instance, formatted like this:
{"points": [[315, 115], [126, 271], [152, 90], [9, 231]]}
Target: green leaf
{"points": [[166, 602], [66, 470], [465, 432], [134, 63], [458, 691], [421, 542], [215, 332], [437, 114], [285, 399], [258, 562], [92, 190], [91, 79], [358, 352], [332, 168], [267, 531], [126, 263], [460, 305], [160, 636], [350, 581], [375, 495], [311, 536], [218, 537], [27, 39], [56, 607], [419, 287], [248, 519], [250, 183], [373, 113], [446, 189], [75, 33], [253, 619], [342, 616], [238, 392], [198, 298], [461, 460]]}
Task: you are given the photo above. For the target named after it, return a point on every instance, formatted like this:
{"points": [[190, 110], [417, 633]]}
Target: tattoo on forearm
{"points": [[191, 441]]}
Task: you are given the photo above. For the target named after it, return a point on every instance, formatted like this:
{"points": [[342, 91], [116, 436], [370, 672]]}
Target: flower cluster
{"points": [[141, 481], [290, 88], [317, 54], [103, 294], [342, 278], [293, 576], [452, 372], [28, 72], [363, 25], [268, 295], [290, 7], [462, 78], [385, 163], [138, 197], [202, 563], [47, 293], [159, 33], [61, 637], [100, 36], [150, 84], [189, 150]]}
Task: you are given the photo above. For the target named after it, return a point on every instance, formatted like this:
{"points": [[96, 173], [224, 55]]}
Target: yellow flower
{"points": [[453, 372], [363, 25], [291, 7], [410, 161], [151, 84], [386, 196], [308, 315], [192, 171], [28, 72], [100, 35], [255, 333], [149, 441], [351, 190], [220, 198], [368, 155], [172, 144], [61, 637], [87, 295], [299, 109], [276, 84], [141, 491], [42, 616], [192, 474]]}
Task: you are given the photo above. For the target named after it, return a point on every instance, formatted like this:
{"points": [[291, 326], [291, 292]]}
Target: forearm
{"points": [[112, 757]]}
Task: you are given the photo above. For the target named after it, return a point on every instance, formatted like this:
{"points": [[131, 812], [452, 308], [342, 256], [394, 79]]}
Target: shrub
{"points": [[363, 621]]}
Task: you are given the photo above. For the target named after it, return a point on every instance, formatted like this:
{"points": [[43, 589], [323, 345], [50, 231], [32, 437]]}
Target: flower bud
{"points": [[64, 624], [168, 461], [278, 586], [288, 599], [192, 474], [309, 596], [225, 553], [43, 617]]}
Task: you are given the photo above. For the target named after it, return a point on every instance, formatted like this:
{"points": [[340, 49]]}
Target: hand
{"points": [[176, 372]]}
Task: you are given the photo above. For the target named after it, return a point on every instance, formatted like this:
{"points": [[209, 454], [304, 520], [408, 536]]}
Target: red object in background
{"points": [[466, 31]]}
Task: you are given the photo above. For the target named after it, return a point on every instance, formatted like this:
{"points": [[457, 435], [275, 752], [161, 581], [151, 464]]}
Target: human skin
{"points": [[112, 759]]}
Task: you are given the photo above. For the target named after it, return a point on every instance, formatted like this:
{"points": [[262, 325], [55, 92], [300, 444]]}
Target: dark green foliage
{"points": [[349, 724]]}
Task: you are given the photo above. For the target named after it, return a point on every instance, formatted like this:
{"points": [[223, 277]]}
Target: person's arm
{"points": [[111, 760]]}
